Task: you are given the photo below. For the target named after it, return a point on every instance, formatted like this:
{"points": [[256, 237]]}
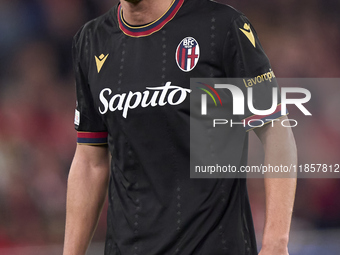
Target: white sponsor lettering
{"points": [[169, 94]]}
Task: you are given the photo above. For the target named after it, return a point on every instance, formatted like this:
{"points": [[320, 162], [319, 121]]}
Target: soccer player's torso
{"points": [[139, 78]]}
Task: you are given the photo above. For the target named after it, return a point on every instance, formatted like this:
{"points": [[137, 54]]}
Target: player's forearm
{"points": [[86, 192], [280, 192], [280, 195]]}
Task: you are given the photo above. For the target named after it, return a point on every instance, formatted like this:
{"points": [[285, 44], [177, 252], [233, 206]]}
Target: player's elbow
{"points": [[90, 162]]}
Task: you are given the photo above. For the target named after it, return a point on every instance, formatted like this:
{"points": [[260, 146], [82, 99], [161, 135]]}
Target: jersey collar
{"points": [[140, 31]]}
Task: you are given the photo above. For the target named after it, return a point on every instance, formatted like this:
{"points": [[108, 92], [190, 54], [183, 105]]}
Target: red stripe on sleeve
{"points": [[92, 134]]}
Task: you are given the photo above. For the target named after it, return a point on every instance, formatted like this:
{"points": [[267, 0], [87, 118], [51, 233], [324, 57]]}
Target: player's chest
{"points": [[127, 63], [149, 72]]}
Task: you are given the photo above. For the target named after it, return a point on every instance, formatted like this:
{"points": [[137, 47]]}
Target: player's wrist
{"points": [[73, 251], [275, 242]]}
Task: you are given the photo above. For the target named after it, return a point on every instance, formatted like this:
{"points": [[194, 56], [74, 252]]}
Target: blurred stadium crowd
{"points": [[37, 101]]}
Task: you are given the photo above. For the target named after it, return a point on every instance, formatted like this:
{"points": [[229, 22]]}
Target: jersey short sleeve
{"points": [[245, 59], [88, 123]]}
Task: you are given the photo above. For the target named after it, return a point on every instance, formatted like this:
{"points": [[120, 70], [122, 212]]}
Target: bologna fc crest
{"points": [[187, 54]]}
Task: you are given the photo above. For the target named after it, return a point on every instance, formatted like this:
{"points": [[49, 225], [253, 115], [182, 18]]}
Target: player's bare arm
{"points": [[86, 192], [279, 146]]}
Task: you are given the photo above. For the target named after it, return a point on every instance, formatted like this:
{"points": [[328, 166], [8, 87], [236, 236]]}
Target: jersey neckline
{"points": [[140, 31]]}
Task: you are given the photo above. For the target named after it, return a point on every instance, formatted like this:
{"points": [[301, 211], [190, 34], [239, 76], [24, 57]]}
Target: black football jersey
{"points": [[133, 86]]}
